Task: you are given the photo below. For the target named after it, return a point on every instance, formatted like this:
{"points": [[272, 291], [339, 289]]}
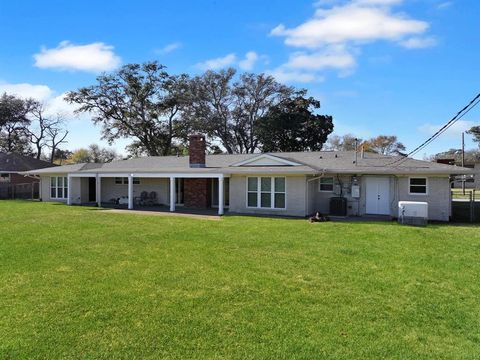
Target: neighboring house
{"points": [[12, 179], [290, 184], [13, 165], [472, 180]]}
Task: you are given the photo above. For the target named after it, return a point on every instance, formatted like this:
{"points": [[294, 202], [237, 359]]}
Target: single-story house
{"points": [[290, 184], [12, 180], [12, 165], [472, 180]]}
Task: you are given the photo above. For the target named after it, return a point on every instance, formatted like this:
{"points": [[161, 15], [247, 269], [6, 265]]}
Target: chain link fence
{"points": [[466, 205], [27, 191]]}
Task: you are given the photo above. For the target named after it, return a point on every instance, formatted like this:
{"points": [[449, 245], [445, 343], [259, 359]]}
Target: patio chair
{"points": [[143, 199], [152, 198]]}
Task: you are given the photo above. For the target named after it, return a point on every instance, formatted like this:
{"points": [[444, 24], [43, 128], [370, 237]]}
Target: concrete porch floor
{"points": [[161, 210]]}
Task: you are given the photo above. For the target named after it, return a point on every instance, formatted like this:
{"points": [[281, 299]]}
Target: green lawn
{"points": [[79, 283]]}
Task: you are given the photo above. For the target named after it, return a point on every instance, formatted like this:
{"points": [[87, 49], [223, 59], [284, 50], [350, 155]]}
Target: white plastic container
{"points": [[413, 212]]}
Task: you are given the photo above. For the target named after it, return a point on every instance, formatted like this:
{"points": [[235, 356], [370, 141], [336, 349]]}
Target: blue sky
{"points": [[378, 66]]}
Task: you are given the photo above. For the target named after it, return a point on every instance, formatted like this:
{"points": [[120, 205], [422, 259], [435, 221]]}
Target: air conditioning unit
{"points": [[413, 213], [338, 206]]}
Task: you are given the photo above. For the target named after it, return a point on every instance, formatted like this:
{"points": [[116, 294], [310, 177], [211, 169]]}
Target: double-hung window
{"points": [[5, 177], [418, 186], [58, 187], [266, 192], [326, 184]]}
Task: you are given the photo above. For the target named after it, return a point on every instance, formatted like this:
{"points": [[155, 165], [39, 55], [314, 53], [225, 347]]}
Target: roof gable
{"points": [[266, 160]]}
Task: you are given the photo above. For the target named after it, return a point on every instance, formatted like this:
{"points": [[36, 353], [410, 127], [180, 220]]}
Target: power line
{"points": [[474, 102]]}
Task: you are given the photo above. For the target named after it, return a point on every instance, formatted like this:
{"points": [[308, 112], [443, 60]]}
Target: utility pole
{"points": [[463, 161]]}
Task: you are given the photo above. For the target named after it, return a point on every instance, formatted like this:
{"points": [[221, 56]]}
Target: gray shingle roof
{"points": [[310, 163], [11, 162]]}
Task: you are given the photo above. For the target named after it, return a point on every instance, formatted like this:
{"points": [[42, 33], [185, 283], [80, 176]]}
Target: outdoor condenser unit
{"points": [[338, 206], [413, 213]]}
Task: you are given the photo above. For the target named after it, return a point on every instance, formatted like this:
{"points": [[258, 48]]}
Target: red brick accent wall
{"points": [[197, 193], [196, 150]]}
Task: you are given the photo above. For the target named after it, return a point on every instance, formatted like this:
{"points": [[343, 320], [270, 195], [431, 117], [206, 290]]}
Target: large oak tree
{"points": [[139, 101], [14, 120], [292, 125]]}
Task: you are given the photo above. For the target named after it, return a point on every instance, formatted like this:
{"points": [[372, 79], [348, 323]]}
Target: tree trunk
{"points": [[52, 155]]}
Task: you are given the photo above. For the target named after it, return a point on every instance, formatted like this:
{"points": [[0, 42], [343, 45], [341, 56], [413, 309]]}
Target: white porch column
{"points": [[221, 201], [98, 188], [130, 192], [69, 190], [172, 194]]}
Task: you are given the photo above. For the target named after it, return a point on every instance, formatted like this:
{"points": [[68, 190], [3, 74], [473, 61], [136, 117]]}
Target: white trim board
{"points": [[150, 175], [266, 160]]}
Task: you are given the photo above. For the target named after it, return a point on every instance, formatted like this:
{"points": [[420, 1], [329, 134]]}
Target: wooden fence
{"points": [[20, 191]]}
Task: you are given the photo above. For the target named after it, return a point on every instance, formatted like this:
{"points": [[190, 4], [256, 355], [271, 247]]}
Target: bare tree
{"points": [[37, 132], [45, 130], [56, 135], [343, 143], [229, 110]]}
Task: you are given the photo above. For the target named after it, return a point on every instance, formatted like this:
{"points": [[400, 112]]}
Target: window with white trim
{"points": [[58, 187], [418, 186], [4, 177], [326, 184], [124, 181], [266, 192]]}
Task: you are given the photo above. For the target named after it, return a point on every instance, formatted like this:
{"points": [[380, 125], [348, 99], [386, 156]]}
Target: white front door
{"points": [[378, 195]]}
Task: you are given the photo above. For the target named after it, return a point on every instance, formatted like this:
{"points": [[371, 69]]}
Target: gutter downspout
{"points": [[318, 177]]}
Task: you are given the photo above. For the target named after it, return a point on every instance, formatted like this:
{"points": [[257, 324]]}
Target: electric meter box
{"points": [[356, 191]]}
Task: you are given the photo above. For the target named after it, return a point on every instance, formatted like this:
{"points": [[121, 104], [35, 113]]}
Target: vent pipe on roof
{"points": [[355, 160]]}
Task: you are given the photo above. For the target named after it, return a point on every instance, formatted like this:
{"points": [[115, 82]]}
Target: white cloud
{"points": [[332, 57], [248, 63], [25, 90], [455, 131], [419, 42], [169, 48], [57, 105], [95, 57], [444, 5], [332, 38], [284, 75], [218, 63], [358, 21], [54, 103]]}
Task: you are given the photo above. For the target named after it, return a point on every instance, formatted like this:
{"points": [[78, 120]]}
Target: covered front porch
{"points": [[179, 192]]}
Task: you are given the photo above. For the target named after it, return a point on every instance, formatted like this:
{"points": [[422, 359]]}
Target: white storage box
{"points": [[413, 212]]}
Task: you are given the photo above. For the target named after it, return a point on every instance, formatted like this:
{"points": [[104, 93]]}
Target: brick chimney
{"points": [[196, 150]]}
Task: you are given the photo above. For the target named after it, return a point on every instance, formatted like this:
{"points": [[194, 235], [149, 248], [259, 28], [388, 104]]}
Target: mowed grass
{"points": [[76, 282]]}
